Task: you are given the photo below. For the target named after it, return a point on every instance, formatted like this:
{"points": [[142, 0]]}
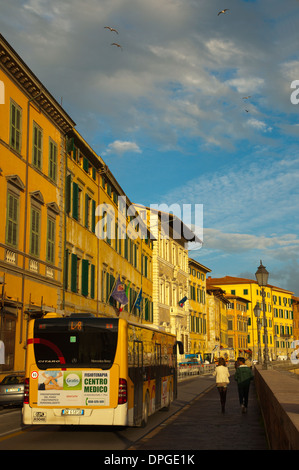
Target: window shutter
{"points": [[84, 287], [74, 273], [85, 164], [75, 201], [92, 280], [93, 216]]}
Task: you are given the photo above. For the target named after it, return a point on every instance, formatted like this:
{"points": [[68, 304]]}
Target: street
{"points": [[15, 436]]}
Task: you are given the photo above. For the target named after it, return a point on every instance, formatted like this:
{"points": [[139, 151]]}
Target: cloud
{"points": [[259, 125], [120, 147], [254, 193], [243, 242]]}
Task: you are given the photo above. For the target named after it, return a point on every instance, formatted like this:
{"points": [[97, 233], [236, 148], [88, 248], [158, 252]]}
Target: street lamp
{"points": [[262, 280], [257, 312]]}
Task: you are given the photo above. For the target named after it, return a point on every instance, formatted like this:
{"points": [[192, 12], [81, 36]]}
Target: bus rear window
{"points": [[79, 342]]}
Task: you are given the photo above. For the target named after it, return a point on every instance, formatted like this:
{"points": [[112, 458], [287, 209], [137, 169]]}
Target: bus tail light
{"points": [[26, 392], [122, 392]]}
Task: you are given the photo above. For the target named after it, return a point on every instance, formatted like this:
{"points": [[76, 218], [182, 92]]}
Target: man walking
{"points": [[243, 376]]}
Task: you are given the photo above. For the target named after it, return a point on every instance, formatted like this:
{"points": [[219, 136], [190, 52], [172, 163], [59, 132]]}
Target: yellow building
{"points": [[104, 240], [197, 307], [279, 314], [217, 324], [80, 243], [32, 143], [237, 325], [69, 230]]}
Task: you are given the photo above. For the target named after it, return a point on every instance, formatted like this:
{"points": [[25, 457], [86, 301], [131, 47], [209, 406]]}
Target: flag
{"points": [[119, 293], [138, 300], [127, 291], [181, 302]]}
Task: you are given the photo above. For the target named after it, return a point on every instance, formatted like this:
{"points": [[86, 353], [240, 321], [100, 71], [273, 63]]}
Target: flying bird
{"points": [[223, 11], [117, 45], [111, 29], [246, 97]]}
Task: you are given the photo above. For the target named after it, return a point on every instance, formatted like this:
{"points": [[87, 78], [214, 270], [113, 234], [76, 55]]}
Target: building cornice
{"points": [[12, 64]]}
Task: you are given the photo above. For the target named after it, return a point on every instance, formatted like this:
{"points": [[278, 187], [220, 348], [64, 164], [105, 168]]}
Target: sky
{"points": [[195, 108]]}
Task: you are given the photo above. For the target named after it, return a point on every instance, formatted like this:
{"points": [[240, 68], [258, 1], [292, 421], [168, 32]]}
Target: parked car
{"points": [[12, 390]]}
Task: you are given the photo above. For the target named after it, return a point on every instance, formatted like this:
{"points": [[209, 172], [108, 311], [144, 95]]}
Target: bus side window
{"points": [[157, 353], [138, 354]]}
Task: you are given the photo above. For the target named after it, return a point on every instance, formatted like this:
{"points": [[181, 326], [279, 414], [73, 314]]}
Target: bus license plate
{"points": [[74, 412]]}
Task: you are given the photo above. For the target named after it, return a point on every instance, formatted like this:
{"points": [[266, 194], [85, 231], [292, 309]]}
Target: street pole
{"points": [[262, 280]]}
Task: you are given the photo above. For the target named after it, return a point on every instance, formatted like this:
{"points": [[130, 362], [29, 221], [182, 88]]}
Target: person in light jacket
{"points": [[222, 380]]}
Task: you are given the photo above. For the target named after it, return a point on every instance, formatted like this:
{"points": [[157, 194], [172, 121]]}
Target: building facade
{"points": [[237, 325], [197, 307], [32, 145], [278, 309], [217, 323]]}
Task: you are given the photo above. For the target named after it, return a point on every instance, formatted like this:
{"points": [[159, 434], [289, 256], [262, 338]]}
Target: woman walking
{"points": [[222, 379]]}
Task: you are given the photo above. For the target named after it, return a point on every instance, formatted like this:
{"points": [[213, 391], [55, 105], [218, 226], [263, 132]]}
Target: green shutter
{"points": [[92, 280], [93, 216], [85, 164], [75, 201], [70, 145], [85, 268], [112, 281], [74, 273], [12, 220]]}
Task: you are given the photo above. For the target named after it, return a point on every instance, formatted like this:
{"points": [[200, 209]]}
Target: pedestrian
{"points": [[222, 380], [237, 363], [243, 376]]}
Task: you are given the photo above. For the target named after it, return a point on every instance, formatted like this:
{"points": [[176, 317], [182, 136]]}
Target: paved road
{"points": [[13, 436], [200, 425], [194, 422]]}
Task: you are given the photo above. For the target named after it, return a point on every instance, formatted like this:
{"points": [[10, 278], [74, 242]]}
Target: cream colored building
{"points": [[170, 272]]}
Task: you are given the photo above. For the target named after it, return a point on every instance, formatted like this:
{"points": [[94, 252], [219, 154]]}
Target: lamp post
{"points": [[257, 312], [262, 280]]}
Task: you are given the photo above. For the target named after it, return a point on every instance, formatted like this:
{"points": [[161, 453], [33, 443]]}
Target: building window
{"points": [[37, 146], [52, 160], [15, 126], [35, 232], [85, 276], [12, 219], [75, 272], [51, 241]]}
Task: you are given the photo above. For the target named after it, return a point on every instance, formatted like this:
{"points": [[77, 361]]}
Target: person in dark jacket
{"points": [[243, 376]]}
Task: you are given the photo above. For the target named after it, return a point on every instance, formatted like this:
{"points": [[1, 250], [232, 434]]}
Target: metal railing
{"points": [[199, 369]]}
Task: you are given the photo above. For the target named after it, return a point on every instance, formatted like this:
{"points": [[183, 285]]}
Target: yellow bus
{"points": [[86, 370]]}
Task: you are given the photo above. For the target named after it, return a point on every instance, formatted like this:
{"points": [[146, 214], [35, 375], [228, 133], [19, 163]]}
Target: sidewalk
{"points": [[201, 425]]}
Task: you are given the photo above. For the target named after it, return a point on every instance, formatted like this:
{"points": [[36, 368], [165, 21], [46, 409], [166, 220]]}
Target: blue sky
{"points": [[167, 111]]}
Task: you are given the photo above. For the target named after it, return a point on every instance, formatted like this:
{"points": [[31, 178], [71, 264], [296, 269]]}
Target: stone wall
{"points": [[278, 394]]}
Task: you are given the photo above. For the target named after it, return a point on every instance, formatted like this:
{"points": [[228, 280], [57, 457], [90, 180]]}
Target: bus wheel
{"points": [[146, 410]]}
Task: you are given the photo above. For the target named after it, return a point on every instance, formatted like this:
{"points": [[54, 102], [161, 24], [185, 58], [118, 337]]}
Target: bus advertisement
{"points": [[93, 370]]}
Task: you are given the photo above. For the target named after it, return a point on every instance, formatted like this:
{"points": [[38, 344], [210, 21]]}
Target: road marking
{"points": [[16, 432]]}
